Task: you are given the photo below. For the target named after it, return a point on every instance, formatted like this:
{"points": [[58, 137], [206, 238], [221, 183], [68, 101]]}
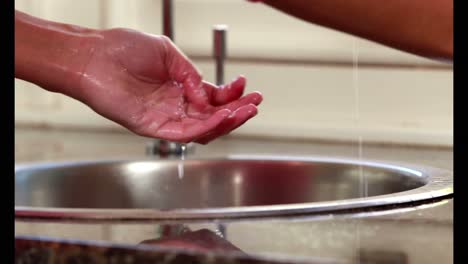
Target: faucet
{"points": [[160, 147], [163, 148], [219, 51], [219, 54], [168, 25]]}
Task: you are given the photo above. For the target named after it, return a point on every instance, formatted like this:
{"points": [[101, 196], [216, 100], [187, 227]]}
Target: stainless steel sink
{"points": [[234, 186]]}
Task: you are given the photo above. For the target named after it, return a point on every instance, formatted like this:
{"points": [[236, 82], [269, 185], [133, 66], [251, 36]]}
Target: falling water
{"points": [[180, 167], [362, 180], [363, 186]]}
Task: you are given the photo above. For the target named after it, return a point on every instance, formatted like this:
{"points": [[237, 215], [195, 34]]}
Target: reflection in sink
{"points": [[217, 187], [202, 240]]}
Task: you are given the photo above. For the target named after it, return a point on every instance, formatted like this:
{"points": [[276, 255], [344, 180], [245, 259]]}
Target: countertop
{"points": [[421, 233]]}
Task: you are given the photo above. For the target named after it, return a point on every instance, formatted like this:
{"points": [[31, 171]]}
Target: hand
{"points": [[147, 85]]}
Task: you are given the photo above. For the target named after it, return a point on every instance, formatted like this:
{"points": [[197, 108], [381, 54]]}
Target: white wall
{"points": [[316, 95]]}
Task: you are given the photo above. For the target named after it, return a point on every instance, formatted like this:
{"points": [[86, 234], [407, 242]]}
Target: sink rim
{"points": [[439, 184]]}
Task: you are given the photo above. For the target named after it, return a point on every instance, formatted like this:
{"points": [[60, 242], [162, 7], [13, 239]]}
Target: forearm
{"points": [[51, 55], [422, 27]]}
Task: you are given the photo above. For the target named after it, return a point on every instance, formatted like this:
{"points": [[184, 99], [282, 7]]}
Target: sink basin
{"points": [[234, 186]]}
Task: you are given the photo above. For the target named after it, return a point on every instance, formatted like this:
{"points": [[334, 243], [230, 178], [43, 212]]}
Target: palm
{"points": [[145, 84]]}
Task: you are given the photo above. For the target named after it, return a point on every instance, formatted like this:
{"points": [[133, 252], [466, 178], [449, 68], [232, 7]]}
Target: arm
{"points": [[140, 81], [422, 27], [51, 55]]}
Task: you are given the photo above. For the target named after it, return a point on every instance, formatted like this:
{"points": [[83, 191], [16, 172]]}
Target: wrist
{"points": [[70, 64]]}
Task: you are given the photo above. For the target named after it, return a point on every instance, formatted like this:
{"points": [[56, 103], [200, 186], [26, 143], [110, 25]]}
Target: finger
{"points": [[254, 98], [189, 129], [183, 71], [193, 89], [223, 94], [235, 120]]}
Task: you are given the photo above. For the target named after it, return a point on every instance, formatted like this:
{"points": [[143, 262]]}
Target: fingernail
{"points": [[258, 98], [227, 112], [252, 110]]}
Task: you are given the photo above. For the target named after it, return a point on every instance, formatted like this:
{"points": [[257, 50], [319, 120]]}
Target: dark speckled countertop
{"points": [[418, 233]]}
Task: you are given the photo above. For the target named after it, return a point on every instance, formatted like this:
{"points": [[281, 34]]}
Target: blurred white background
{"points": [[304, 71]]}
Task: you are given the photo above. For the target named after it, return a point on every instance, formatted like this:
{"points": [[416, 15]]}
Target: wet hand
{"points": [[144, 83]]}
